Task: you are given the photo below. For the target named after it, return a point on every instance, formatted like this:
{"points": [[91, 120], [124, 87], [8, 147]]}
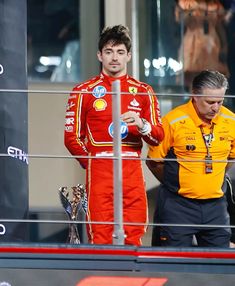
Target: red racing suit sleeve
{"points": [[151, 115], [75, 127]]}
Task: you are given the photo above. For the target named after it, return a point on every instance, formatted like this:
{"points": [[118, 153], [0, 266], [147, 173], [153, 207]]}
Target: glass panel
{"points": [[160, 41], [204, 42], [53, 40], [160, 63], [178, 39]]}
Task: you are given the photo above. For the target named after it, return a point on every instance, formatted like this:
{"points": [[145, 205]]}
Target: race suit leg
{"points": [[134, 201], [100, 201]]}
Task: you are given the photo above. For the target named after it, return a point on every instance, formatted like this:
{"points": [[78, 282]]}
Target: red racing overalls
{"points": [[89, 132]]}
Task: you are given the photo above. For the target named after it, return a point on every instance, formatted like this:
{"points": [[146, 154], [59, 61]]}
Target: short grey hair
{"points": [[208, 79]]}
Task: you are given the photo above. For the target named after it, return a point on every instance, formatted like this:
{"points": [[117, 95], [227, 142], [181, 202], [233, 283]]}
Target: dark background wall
{"points": [[13, 118]]}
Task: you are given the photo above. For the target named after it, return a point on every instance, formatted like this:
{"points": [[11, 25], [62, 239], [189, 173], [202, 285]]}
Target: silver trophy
{"points": [[73, 200]]}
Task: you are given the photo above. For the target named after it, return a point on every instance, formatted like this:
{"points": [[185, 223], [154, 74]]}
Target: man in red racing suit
{"points": [[89, 132]]}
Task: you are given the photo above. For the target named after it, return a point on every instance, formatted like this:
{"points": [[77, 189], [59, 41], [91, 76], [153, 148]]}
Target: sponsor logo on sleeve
{"points": [[70, 113], [68, 128], [70, 105], [69, 121], [72, 96]]}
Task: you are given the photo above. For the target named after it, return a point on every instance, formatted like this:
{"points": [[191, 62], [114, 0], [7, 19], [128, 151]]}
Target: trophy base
{"points": [[73, 237]]}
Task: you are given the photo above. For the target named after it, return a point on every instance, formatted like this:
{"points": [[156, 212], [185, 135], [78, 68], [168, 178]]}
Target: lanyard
{"points": [[208, 138]]}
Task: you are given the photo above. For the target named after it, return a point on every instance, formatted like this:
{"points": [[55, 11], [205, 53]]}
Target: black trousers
{"points": [[172, 208]]}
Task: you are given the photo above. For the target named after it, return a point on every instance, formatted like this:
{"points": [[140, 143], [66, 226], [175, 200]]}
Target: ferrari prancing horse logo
{"points": [[133, 89]]}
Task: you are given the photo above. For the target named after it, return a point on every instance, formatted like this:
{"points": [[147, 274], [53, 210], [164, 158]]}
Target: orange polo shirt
{"points": [[184, 141]]}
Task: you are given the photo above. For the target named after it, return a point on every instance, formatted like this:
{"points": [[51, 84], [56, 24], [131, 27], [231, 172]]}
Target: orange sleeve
{"points": [[160, 152]]}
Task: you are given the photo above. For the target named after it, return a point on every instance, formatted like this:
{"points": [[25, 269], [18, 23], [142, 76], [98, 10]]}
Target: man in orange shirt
{"points": [[198, 134]]}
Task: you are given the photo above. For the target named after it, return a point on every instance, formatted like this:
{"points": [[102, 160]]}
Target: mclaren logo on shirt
{"points": [[99, 91], [123, 129]]}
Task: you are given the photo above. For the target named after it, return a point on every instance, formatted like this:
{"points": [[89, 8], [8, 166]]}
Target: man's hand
{"points": [[156, 168], [132, 119]]}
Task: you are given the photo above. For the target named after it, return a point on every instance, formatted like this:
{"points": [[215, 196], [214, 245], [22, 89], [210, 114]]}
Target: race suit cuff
{"points": [[146, 129]]}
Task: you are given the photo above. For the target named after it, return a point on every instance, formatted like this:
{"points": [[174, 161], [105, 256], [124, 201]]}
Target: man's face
{"points": [[114, 59], [209, 105]]}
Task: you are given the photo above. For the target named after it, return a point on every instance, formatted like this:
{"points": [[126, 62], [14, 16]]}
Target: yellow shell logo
{"points": [[100, 104]]}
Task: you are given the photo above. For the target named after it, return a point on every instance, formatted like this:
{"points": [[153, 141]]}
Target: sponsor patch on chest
{"points": [[99, 91], [100, 104], [134, 105]]}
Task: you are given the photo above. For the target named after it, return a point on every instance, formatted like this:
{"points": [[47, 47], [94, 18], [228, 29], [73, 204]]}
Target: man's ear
{"points": [[129, 56], [99, 56], [194, 98]]}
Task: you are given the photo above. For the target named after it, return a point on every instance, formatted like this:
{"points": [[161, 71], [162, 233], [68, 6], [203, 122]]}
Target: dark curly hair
{"points": [[117, 35]]}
